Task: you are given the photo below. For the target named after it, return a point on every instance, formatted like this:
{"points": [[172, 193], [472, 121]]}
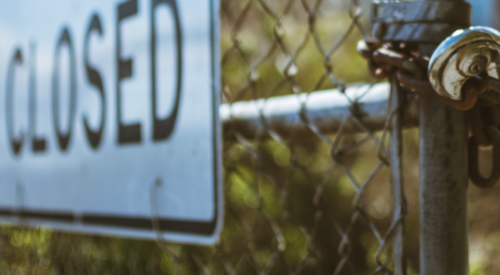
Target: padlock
{"points": [[465, 54]]}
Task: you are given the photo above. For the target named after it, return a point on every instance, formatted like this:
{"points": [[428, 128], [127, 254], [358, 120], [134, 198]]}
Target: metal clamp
{"points": [[418, 21]]}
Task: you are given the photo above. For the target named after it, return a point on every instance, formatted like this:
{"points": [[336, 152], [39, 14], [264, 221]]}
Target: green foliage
{"points": [[42, 251]]}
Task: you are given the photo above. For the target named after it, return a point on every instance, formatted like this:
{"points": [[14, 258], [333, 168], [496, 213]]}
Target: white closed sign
{"points": [[109, 117]]}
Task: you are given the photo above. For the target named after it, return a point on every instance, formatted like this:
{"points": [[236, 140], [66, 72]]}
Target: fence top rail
{"points": [[326, 110]]}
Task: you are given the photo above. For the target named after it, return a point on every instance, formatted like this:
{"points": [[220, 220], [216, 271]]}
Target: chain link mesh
{"points": [[293, 184], [308, 203]]}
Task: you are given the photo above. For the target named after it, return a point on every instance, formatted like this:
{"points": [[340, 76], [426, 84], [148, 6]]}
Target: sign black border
{"points": [[203, 228]]}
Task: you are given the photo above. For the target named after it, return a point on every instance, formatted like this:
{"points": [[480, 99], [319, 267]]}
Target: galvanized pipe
{"points": [[443, 186], [326, 110]]}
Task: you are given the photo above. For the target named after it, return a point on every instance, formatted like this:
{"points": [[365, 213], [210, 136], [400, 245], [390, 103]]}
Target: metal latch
{"points": [[472, 56]]}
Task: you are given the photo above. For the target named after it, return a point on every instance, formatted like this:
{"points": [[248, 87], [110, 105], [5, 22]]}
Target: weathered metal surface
{"points": [[443, 189], [419, 21], [443, 186], [415, 32], [326, 110], [422, 11], [490, 83]]}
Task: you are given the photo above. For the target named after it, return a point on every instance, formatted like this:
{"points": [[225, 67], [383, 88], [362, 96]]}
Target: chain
{"points": [[480, 95], [411, 70], [484, 134]]}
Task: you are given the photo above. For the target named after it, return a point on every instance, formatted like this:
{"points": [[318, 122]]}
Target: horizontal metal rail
{"points": [[327, 110]]}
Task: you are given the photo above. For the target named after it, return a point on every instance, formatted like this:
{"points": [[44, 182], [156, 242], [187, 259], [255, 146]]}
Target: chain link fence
{"points": [[294, 183], [308, 197]]}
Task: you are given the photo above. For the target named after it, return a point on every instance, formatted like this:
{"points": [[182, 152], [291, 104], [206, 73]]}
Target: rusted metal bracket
{"points": [[419, 21]]}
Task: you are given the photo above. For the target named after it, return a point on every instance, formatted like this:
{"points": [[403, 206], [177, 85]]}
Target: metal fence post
{"points": [[443, 186]]}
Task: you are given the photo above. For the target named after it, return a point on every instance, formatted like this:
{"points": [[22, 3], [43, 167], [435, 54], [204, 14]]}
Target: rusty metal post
{"points": [[395, 150], [443, 186]]}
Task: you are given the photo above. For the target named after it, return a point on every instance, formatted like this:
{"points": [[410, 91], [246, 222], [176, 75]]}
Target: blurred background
{"points": [[287, 205]]}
